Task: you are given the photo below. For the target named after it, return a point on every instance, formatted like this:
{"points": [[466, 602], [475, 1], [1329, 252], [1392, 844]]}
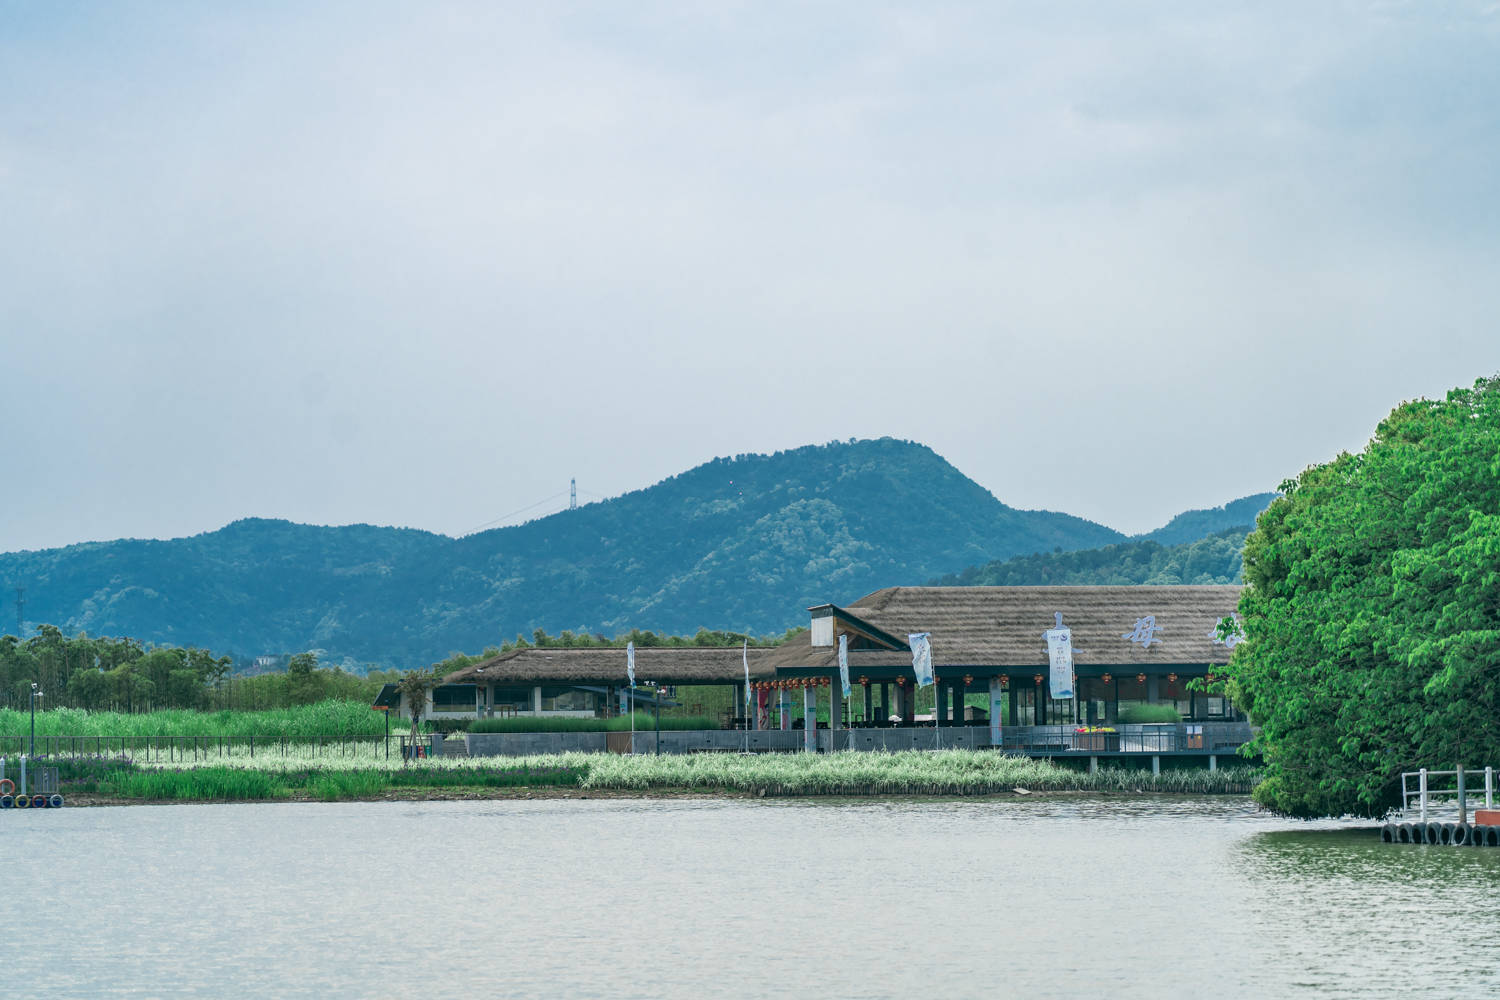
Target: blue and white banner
{"points": [[921, 657], [844, 664], [745, 655], [1060, 661], [630, 662]]}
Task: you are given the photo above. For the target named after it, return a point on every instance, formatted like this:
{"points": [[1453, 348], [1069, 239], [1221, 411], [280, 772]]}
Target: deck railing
{"points": [[1445, 794], [1183, 737]]}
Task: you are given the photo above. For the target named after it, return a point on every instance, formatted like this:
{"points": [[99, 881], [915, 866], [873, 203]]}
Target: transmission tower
{"points": [[572, 494]]}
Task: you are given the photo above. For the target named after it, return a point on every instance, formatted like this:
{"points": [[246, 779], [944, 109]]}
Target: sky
{"points": [[422, 264]]}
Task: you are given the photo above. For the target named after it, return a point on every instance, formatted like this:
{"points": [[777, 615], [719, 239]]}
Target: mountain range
{"points": [[742, 543]]}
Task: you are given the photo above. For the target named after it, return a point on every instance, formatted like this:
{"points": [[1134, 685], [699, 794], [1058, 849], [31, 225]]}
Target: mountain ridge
{"points": [[742, 542]]}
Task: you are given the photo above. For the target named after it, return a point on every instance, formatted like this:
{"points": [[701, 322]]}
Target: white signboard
{"points": [[1060, 661]]}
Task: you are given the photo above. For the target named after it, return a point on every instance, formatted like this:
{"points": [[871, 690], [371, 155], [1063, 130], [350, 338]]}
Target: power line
{"points": [[507, 517]]}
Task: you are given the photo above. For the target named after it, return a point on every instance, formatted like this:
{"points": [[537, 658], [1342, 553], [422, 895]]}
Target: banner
{"points": [[745, 654], [844, 664], [630, 663], [1060, 661], [921, 657]]}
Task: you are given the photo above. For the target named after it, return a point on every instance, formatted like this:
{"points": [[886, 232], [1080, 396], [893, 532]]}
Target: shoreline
{"points": [[85, 800]]}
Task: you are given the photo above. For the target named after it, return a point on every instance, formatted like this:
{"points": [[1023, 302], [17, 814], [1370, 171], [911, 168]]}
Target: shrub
{"points": [[1133, 715]]}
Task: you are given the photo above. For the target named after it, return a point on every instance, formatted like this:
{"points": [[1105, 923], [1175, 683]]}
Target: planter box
{"points": [[1098, 742], [1487, 817]]}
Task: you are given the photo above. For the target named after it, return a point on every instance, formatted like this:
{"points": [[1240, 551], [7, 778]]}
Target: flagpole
{"points": [[745, 656]]}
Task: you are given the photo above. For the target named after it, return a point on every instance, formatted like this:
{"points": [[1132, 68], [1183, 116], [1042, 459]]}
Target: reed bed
{"points": [[911, 772], [220, 783], [944, 773], [324, 718]]}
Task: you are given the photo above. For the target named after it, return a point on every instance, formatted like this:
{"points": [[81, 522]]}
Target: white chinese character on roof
{"points": [[1144, 632], [1228, 632]]}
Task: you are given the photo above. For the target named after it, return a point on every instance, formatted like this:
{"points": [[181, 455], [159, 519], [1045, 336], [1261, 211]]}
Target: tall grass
{"points": [[324, 718], [912, 772], [949, 772]]}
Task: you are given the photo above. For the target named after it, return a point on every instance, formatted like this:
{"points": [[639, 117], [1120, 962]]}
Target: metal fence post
{"points": [[1463, 799], [1489, 788], [1422, 792]]}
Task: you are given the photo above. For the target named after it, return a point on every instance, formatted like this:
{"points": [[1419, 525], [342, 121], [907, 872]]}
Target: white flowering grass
{"points": [[911, 772]]}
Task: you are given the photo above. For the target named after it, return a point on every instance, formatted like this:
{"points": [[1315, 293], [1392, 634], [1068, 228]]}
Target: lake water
{"points": [[1048, 897]]}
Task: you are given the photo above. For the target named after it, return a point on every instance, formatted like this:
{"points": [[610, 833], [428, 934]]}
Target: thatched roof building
{"points": [[1001, 627], [605, 665]]}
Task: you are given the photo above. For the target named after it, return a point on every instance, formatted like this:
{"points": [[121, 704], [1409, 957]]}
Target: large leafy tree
{"points": [[1372, 612]]}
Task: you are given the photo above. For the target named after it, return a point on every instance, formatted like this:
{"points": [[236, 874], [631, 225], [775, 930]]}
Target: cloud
{"points": [[422, 265]]}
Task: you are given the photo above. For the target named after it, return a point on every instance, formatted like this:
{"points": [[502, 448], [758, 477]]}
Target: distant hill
{"points": [[741, 543], [1194, 524], [1215, 559]]}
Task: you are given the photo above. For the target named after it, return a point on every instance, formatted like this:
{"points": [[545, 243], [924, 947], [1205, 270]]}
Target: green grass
{"points": [[325, 718], [644, 723]]}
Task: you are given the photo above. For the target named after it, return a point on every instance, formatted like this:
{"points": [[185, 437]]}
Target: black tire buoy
{"points": [[1388, 834], [1432, 833], [1458, 835]]}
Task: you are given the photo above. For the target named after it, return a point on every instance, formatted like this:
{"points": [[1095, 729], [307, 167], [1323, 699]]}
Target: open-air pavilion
{"points": [[1132, 646]]}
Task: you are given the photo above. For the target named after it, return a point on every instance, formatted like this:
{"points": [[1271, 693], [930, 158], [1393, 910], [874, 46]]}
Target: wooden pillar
{"points": [[869, 704], [810, 719], [885, 701], [958, 704], [835, 707]]}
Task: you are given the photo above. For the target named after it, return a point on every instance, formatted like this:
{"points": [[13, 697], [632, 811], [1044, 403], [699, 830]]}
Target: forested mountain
{"points": [[738, 543], [1194, 524], [1215, 559]]}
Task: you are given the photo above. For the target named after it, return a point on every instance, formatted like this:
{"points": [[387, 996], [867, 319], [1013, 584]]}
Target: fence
{"points": [[1189, 737], [1444, 793]]}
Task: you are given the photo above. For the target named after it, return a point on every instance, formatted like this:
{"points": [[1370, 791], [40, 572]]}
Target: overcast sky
{"points": [[420, 264]]}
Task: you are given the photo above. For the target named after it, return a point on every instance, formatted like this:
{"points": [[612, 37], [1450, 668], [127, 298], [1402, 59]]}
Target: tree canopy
{"points": [[1372, 612]]}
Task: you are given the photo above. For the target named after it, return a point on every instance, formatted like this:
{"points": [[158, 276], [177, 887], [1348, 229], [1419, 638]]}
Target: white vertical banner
{"points": [[1060, 661], [844, 664], [745, 654], [630, 663], [921, 657]]}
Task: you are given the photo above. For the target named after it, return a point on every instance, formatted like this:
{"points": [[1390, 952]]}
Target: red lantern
{"points": [[1106, 678], [1038, 679], [1171, 678], [968, 679], [1140, 678], [1004, 682]]}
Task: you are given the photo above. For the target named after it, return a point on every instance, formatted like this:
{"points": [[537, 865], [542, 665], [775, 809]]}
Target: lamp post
{"points": [[35, 694]]}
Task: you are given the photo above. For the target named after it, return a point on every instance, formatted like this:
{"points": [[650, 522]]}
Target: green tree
{"points": [[1372, 612], [415, 684]]}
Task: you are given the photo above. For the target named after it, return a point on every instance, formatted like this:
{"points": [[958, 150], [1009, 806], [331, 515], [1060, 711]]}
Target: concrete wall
{"points": [[701, 740], [524, 744]]}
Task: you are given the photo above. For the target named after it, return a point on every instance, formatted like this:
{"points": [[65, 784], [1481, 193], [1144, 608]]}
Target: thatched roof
{"points": [[606, 666], [1002, 626], [970, 626]]}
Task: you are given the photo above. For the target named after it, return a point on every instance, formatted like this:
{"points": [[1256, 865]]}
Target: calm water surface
{"points": [[1066, 897]]}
